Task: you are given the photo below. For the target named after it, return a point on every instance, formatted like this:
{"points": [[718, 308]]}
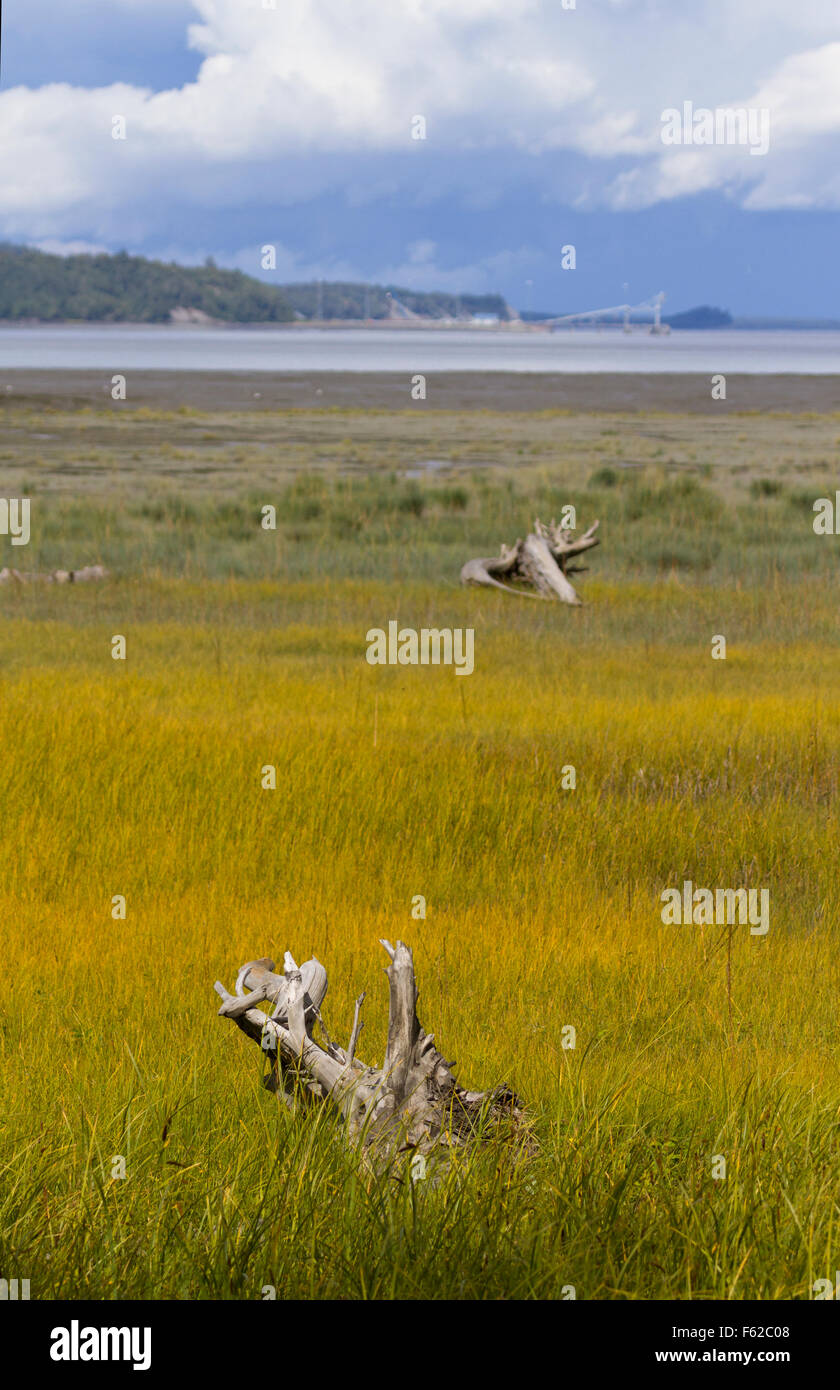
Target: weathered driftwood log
{"points": [[82, 576], [541, 562], [412, 1100]]}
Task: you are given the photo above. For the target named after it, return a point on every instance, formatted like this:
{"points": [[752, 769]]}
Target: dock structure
{"points": [[589, 316]]}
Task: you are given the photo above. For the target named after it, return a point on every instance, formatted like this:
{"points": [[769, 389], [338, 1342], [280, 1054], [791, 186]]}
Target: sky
{"points": [[249, 125]]}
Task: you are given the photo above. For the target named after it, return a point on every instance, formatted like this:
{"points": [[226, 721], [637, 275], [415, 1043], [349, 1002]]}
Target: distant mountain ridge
{"points": [[702, 317]]}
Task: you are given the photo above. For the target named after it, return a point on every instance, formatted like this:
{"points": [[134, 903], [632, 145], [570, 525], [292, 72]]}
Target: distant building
{"points": [[485, 318]]}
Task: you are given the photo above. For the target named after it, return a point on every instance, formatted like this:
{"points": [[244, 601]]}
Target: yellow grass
{"points": [[543, 910]]}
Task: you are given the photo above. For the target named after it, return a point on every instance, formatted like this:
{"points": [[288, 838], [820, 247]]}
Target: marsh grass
{"points": [[654, 523], [143, 779]]}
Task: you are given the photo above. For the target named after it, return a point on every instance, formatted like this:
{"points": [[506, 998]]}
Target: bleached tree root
{"points": [[540, 563], [83, 576], [412, 1101]]}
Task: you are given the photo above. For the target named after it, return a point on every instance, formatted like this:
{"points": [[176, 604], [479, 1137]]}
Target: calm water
{"points": [[117, 348]]}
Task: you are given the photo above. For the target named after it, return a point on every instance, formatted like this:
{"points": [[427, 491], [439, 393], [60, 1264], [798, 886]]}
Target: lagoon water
{"points": [[120, 347]]}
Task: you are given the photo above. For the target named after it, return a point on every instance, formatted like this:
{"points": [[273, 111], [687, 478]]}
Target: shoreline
{"points": [[506, 392], [746, 324]]}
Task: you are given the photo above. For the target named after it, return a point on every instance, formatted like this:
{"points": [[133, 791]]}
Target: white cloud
{"points": [[308, 97], [55, 247], [800, 168], [481, 276], [417, 270]]}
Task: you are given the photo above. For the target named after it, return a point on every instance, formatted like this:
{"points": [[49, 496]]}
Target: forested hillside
{"points": [[132, 289], [123, 288]]}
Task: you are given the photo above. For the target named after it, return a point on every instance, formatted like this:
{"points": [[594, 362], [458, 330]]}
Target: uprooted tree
{"points": [[540, 562], [411, 1101]]}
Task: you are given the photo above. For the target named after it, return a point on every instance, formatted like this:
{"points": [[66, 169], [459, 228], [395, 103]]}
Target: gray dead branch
{"points": [[540, 564], [411, 1102], [88, 574]]}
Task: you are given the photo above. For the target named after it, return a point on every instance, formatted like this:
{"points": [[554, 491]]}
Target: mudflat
{"points": [[682, 393]]}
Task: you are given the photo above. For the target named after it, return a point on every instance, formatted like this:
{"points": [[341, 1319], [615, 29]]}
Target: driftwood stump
{"points": [[412, 1101], [82, 576], [540, 562]]}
